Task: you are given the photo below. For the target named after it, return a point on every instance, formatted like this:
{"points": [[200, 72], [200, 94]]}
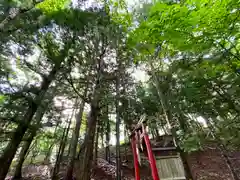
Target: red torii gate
{"points": [[140, 135]]}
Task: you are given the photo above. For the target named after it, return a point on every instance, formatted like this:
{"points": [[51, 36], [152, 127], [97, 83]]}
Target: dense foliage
{"points": [[67, 75]]}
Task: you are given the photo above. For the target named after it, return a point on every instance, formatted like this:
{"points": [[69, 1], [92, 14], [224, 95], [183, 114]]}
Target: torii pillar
{"points": [[139, 135]]}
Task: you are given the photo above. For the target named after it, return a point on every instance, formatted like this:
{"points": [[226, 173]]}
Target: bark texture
{"points": [[118, 122], [17, 137], [89, 140], [24, 150], [74, 142]]}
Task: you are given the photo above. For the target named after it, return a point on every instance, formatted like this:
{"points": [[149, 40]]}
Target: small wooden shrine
{"points": [[164, 160]]}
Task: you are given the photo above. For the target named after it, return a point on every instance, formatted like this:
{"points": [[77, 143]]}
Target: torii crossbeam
{"points": [[139, 136]]}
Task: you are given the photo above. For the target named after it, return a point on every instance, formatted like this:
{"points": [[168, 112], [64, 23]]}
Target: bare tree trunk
{"points": [[17, 137], [118, 122], [39, 114], [96, 145], [102, 138], [83, 144], [101, 130], [24, 150], [74, 141], [61, 149], [125, 143], [107, 149], [69, 149], [186, 166], [82, 147], [93, 117], [89, 140], [57, 163]]}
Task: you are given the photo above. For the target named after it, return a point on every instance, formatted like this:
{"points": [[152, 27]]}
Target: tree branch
{"points": [[31, 67], [75, 90]]}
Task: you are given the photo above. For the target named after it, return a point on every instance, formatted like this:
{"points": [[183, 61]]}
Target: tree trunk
{"points": [[24, 150], [118, 122], [125, 143], [74, 141], [83, 144], [61, 149], [102, 138], [92, 121], [96, 145], [69, 149], [82, 147], [107, 150], [153, 133], [57, 163], [17, 137], [89, 140], [12, 147], [186, 166], [26, 146]]}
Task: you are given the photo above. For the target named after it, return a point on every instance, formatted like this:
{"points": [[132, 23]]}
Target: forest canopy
{"points": [[68, 83]]}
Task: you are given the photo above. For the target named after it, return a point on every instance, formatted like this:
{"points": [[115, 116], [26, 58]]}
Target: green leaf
{"points": [[2, 98], [51, 6]]}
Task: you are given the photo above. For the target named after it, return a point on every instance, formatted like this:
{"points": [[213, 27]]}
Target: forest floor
{"points": [[102, 171]]}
